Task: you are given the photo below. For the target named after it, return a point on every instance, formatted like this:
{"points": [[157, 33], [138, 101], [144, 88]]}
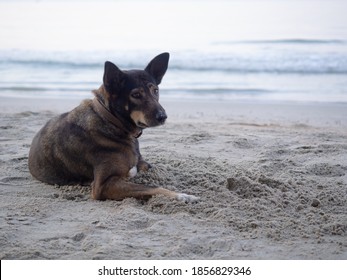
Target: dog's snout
{"points": [[161, 116]]}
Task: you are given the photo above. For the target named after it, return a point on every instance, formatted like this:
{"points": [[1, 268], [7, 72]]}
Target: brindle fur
{"points": [[83, 146]]}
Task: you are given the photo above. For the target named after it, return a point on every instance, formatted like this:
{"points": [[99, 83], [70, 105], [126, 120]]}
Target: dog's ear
{"points": [[113, 77], [158, 66]]}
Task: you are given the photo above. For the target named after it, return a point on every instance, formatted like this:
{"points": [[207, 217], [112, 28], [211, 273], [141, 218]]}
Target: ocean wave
{"points": [[324, 69], [46, 63], [235, 66], [43, 89], [231, 61], [293, 41], [217, 90], [298, 64]]}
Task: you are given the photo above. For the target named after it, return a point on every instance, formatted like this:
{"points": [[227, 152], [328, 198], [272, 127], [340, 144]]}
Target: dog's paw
{"points": [[143, 166], [187, 198]]}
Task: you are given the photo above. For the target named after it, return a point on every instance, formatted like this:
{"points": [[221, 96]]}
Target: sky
{"points": [[182, 24]]}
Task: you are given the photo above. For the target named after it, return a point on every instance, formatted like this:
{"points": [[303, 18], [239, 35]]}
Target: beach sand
{"points": [[271, 177]]}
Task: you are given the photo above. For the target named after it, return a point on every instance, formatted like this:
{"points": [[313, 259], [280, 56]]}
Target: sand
{"points": [[271, 177]]}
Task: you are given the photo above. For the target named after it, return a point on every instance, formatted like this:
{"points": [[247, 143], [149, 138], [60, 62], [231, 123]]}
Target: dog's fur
{"points": [[97, 141]]}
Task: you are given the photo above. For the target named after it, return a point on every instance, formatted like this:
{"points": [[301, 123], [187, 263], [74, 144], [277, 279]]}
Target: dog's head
{"points": [[133, 95]]}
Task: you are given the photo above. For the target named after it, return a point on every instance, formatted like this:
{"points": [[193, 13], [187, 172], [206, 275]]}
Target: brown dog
{"points": [[97, 141]]}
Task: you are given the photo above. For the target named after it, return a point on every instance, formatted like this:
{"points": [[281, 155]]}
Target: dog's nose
{"points": [[161, 116]]}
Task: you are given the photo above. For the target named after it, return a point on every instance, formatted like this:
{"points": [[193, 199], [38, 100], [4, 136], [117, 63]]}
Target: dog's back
{"points": [[59, 151]]}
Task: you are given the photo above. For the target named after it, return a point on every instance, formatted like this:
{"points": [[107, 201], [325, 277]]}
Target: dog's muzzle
{"points": [[161, 117]]}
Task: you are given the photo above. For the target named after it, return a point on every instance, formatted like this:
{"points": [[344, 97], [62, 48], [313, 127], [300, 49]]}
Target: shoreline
{"points": [[307, 113], [271, 179]]}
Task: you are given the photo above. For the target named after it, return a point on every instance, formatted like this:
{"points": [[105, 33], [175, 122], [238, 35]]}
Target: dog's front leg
{"points": [[142, 165], [116, 188]]}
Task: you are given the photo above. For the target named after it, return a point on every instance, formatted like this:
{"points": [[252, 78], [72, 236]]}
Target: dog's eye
{"points": [[136, 95], [156, 91]]}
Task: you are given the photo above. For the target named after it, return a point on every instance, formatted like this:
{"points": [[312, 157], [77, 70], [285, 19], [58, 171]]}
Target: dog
{"points": [[97, 142]]}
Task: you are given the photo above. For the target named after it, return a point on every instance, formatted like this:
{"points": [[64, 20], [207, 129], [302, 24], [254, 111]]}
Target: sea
{"points": [[250, 50]]}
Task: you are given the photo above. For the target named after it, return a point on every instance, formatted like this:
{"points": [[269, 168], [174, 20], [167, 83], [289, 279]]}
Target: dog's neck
{"points": [[101, 109]]}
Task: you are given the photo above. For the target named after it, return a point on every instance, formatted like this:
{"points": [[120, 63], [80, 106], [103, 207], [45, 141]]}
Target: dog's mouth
{"points": [[142, 122], [141, 125]]}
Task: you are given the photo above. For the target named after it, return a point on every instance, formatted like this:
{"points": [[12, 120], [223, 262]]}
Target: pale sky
{"points": [[135, 24]]}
